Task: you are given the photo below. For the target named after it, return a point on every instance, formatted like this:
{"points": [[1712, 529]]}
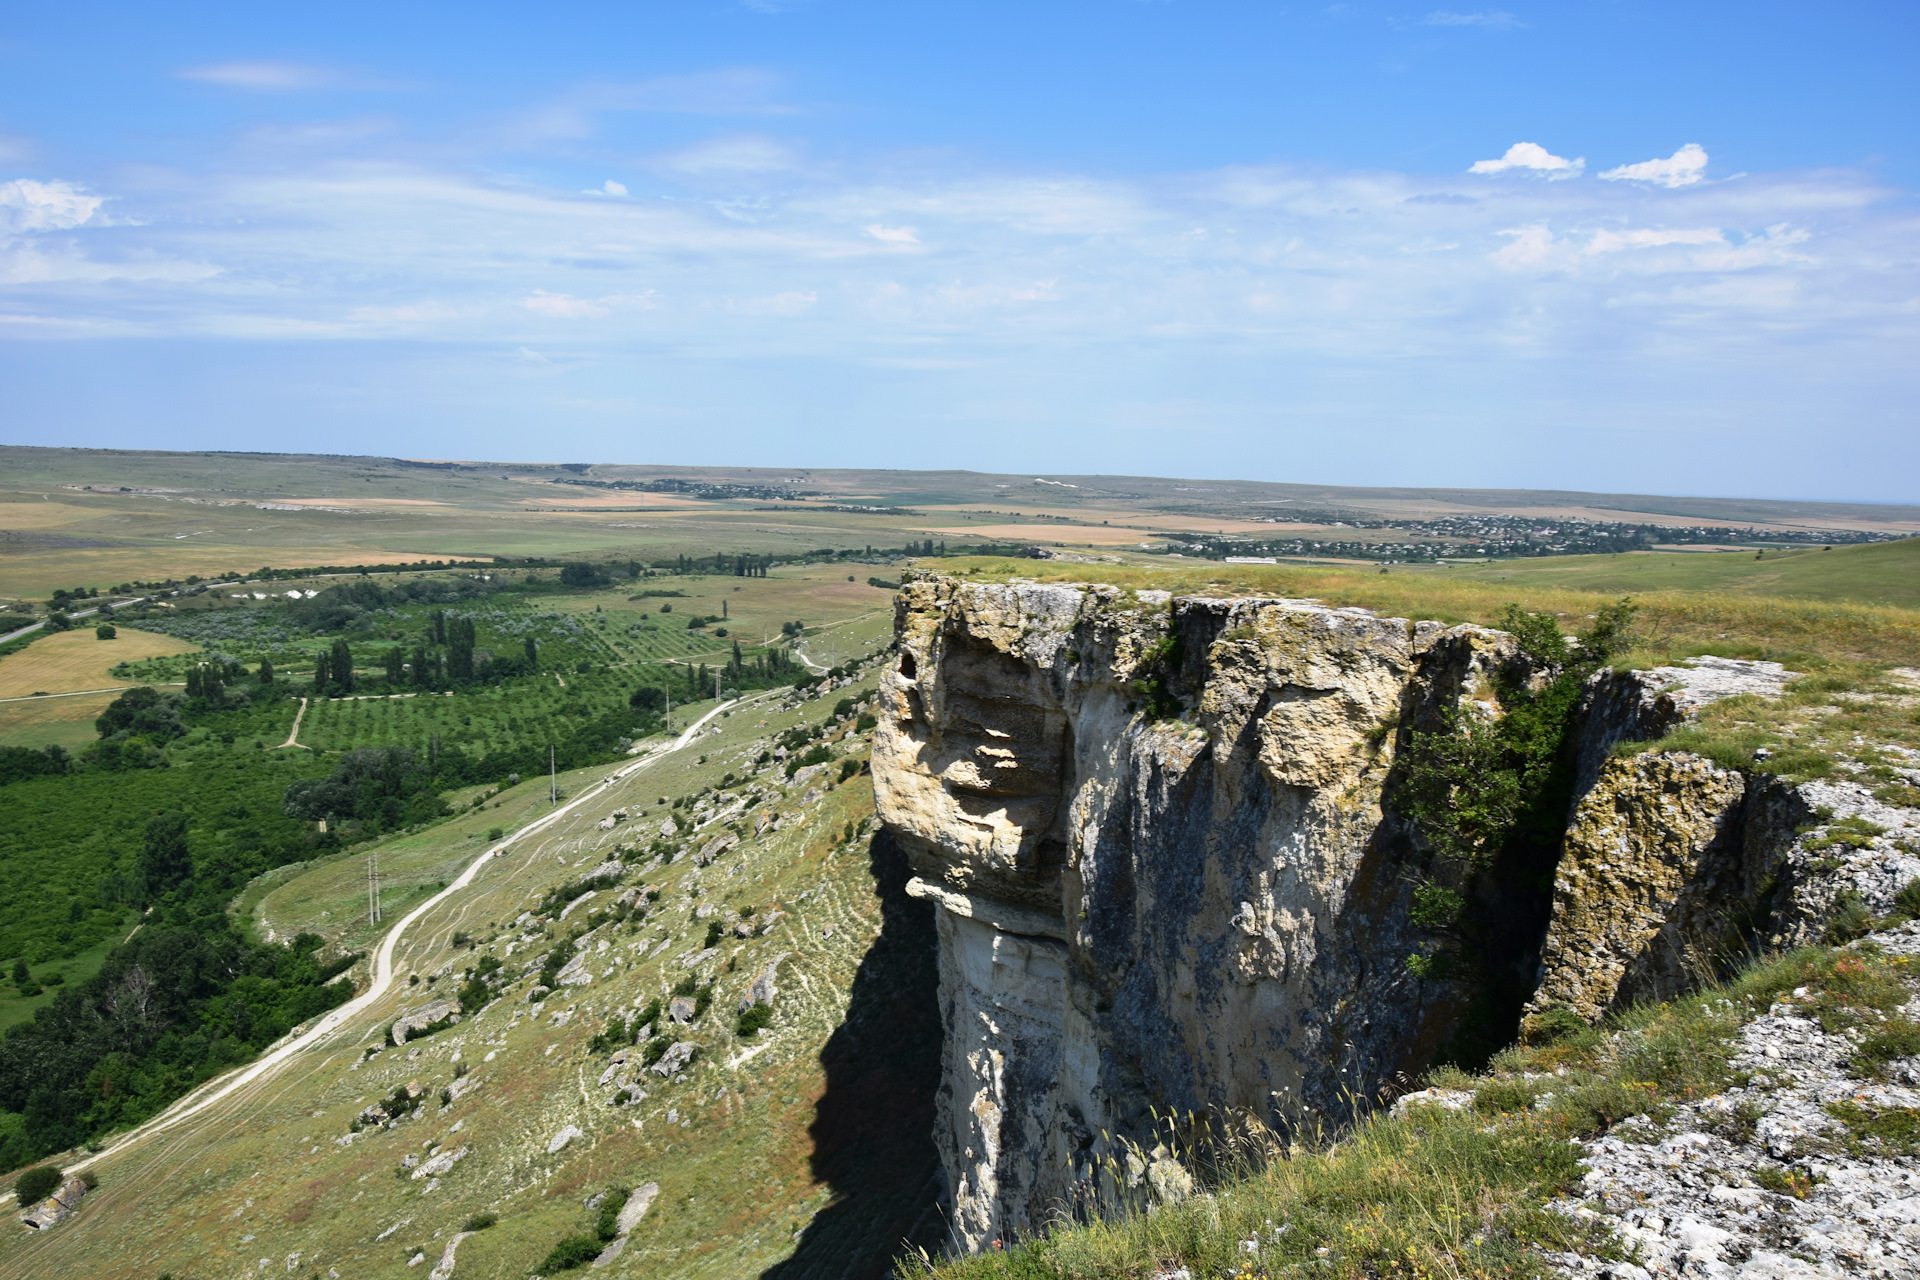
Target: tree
{"points": [[165, 862], [266, 671], [342, 666], [396, 667], [422, 670], [321, 670], [105, 631], [533, 655], [460, 637]]}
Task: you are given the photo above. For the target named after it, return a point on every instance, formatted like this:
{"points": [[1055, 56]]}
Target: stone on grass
{"points": [[559, 1140]]}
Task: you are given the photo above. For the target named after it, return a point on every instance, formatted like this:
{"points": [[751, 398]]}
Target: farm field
{"points": [[75, 660], [69, 517], [1883, 573]]}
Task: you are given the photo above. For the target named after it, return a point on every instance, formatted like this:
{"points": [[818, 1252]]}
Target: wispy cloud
{"points": [[265, 77], [1533, 157], [1491, 18], [1683, 168]]}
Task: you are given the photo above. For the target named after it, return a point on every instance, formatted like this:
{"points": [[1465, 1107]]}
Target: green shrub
{"points": [[481, 1221], [1848, 920], [754, 1020], [36, 1184], [609, 1222], [574, 1251], [1499, 1097]]}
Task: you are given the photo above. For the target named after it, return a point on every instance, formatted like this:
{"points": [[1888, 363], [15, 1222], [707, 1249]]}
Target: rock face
{"points": [[1653, 854], [1137, 911]]}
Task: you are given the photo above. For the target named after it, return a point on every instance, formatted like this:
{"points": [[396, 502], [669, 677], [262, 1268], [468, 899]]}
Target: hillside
{"points": [[797, 1150]]}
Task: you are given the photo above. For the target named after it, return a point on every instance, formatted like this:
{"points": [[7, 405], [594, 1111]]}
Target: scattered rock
{"points": [[562, 1138], [439, 1164], [444, 1269], [1447, 1099], [680, 1011], [694, 959]]}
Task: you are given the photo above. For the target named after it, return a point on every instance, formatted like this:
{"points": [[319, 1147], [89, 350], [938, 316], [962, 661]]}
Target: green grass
{"points": [[1668, 625], [15, 1008], [1876, 573]]}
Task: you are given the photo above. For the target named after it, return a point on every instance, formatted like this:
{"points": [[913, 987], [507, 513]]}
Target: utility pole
{"points": [[373, 888], [553, 777]]}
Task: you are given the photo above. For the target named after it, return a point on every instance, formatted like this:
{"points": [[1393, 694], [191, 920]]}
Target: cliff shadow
{"points": [[873, 1126]]}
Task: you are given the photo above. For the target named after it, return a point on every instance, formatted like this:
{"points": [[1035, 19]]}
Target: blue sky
{"points": [[1615, 246]]}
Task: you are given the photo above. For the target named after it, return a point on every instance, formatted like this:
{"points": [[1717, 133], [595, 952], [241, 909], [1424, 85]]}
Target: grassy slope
{"points": [[1880, 573], [789, 1160]]}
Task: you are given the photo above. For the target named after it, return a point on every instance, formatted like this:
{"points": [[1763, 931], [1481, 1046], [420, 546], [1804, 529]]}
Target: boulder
{"points": [[613, 867], [714, 848], [419, 1019], [763, 989], [558, 1142], [680, 1011], [675, 1060], [58, 1207], [668, 830], [440, 1163]]}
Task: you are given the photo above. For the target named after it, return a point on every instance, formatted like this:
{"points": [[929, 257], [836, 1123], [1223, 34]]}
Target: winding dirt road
{"points": [[382, 971]]}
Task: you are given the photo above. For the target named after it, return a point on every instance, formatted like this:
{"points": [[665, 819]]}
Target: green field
{"points": [[1880, 573]]}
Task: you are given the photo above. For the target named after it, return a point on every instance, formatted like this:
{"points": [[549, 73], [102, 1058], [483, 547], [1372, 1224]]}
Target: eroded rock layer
{"points": [[1165, 879]]}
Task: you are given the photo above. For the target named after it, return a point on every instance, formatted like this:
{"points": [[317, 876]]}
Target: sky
{"points": [[1603, 245]]}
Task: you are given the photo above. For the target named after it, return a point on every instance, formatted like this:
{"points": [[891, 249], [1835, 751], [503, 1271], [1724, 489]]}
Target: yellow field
{"points": [[74, 660]]}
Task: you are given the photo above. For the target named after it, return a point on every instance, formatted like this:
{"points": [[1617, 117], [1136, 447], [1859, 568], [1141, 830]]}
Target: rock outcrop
{"points": [[417, 1021], [56, 1208], [1137, 910]]}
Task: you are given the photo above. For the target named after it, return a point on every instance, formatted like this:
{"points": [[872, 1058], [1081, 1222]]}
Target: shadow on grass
{"points": [[873, 1127]]}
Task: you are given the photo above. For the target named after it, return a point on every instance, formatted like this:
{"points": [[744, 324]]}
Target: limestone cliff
{"points": [[1140, 910], [1161, 839]]}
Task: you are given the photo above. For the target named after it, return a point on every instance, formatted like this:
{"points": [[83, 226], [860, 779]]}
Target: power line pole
{"points": [[553, 777]]}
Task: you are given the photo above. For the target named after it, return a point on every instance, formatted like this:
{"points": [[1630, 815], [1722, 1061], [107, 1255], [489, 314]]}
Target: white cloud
{"points": [[269, 77], [1615, 241], [561, 307], [613, 188], [1683, 168], [1533, 156], [1493, 18], [26, 205], [893, 235]]}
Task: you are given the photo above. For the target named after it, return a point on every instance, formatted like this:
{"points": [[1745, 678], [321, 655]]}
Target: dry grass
{"points": [[74, 660]]}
